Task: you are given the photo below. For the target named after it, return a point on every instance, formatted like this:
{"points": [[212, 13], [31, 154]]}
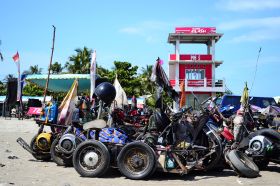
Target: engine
{"points": [[259, 145], [44, 141], [68, 143]]}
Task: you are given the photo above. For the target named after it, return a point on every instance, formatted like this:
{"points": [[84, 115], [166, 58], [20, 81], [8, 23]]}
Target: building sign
{"points": [[192, 57], [195, 30]]}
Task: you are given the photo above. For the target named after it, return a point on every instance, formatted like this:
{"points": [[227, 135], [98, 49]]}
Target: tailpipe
{"points": [[24, 145]]}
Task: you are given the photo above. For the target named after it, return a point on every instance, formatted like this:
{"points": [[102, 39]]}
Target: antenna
{"points": [[255, 70]]}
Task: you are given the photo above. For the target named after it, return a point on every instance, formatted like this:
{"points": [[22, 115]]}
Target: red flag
{"points": [[16, 57]]}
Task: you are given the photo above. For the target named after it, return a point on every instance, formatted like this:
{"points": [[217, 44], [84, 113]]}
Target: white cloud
{"points": [[256, 36], [147, 29], [244, 5], [271, 22]]}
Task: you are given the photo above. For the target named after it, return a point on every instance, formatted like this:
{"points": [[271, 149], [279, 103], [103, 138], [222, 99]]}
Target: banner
{"points": [[92, 74], [68, 105], [121, 98]]}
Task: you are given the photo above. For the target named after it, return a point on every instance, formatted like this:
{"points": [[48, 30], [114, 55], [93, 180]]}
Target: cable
{"points": [[255, 70]]}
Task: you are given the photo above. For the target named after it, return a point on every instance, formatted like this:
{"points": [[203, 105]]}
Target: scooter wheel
{"points": [[242, 164], [91, 159], [136, 161]]}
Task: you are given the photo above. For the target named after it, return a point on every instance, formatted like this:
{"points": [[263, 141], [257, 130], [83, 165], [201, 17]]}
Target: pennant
{"points": [[16, 57], [120, 98]]}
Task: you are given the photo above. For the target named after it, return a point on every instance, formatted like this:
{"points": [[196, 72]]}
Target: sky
{"points": [[137, 32]]}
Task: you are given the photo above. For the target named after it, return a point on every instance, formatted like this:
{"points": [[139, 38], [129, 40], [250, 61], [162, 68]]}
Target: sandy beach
{"points": [[18, 167]]}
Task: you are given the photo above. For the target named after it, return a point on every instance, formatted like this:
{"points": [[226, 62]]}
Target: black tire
{"points": [[242, 164], [39, 155], [96, 148], [56, 156], [137, 160]]}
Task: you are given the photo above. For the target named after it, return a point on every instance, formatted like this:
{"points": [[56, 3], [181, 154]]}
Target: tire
{"points": [[88, 150], [137, 161], [39, 155], [56, 156], [242, 164]]}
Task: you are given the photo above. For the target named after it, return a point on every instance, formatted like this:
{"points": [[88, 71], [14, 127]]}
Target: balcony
{"points": [[204, 85], [191, 57]]}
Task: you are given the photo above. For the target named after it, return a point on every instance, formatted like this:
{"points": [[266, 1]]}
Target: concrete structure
{"points": [[197, 71]]}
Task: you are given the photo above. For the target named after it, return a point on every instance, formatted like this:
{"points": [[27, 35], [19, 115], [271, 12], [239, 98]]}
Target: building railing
{"points": [[192, 57], [207, 83]]}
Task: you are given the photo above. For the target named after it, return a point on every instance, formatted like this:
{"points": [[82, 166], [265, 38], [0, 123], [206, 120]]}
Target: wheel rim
{"points": [[90, 158], [136, 161]]}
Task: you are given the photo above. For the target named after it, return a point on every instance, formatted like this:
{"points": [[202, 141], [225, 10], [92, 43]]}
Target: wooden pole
{"points": [[47, 82]]}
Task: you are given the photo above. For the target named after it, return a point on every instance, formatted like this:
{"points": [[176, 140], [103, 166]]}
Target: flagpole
{"points": [[49, 69]]}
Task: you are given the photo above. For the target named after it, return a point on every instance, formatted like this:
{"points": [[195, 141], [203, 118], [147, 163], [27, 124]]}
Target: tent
{"points": [[60, 82]]}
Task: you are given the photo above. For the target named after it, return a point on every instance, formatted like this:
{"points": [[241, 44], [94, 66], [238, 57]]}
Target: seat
{"points": [[95, 124]]}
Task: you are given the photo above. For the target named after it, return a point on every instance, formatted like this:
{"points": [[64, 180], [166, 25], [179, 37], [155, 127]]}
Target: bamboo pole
{"points": [[47, 82]]}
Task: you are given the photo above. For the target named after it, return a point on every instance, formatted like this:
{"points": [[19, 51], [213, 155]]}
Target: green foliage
{"points": [[33, 70], [56, 68], [79, 63], [32, 90], [127, 76], [3, 89]]}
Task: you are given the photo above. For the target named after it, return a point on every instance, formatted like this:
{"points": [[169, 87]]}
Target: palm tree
{"points": [[56, 68], [79, 63], [9, 76], [147, 84], [33, 70]]}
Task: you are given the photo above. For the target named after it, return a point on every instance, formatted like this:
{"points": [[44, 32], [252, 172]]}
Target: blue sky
{"points": [[137, 31]]}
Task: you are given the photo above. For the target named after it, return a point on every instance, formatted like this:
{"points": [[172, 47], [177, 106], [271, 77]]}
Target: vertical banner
{"points": [[92, 73], [183, 95], [16, 60], [121, 97]]}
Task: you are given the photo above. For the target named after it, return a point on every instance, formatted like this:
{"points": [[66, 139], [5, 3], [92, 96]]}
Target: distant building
{"points": [[197, 71]]}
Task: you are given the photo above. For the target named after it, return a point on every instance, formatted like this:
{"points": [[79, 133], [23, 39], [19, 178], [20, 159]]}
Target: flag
{"points": [[245, 96], [183, 96], [92, 73], [67, 106], [120, 98], [16, 57]]}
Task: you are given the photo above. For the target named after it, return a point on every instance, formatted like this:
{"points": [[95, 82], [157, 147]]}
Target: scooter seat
{"points": [[95, 124]]}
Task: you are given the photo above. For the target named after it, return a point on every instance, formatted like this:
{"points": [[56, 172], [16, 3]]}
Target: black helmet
{"points": [[106, 92]]}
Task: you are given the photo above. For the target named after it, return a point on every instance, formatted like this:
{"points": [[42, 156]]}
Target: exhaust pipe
{"points": [[24, 145]]}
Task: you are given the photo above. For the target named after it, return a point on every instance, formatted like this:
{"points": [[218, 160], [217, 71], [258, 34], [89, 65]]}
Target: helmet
{"points": [[106, 92]]}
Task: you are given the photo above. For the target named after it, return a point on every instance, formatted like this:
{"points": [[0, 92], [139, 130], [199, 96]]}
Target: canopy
{"points": [[60, 82]]}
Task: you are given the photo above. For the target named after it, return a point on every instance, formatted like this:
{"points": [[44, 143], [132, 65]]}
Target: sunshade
{"points": [[61, 82]]}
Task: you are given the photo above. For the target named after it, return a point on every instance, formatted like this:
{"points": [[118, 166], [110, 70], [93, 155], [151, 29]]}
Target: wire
{"points": [[255, 70]]}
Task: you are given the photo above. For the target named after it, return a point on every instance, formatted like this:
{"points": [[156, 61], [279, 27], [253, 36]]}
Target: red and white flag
{"points": [[16, 57]]}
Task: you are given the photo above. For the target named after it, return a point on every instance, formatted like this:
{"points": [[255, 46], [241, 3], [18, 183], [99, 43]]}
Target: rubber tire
{"points": [[56, 156], [44, 156], [121, 161], [105, 156], [235, 156]]}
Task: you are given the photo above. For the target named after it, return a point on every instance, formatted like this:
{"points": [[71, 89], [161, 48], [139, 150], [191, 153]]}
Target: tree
{"points": [[56, 68], [9, 76], [127, 76], [33, 70], [3, 89], [79, 63], [147, 84], [32, 90]]}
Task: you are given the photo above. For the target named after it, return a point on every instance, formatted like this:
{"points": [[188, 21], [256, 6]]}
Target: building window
{"points": [[195, 74]]}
